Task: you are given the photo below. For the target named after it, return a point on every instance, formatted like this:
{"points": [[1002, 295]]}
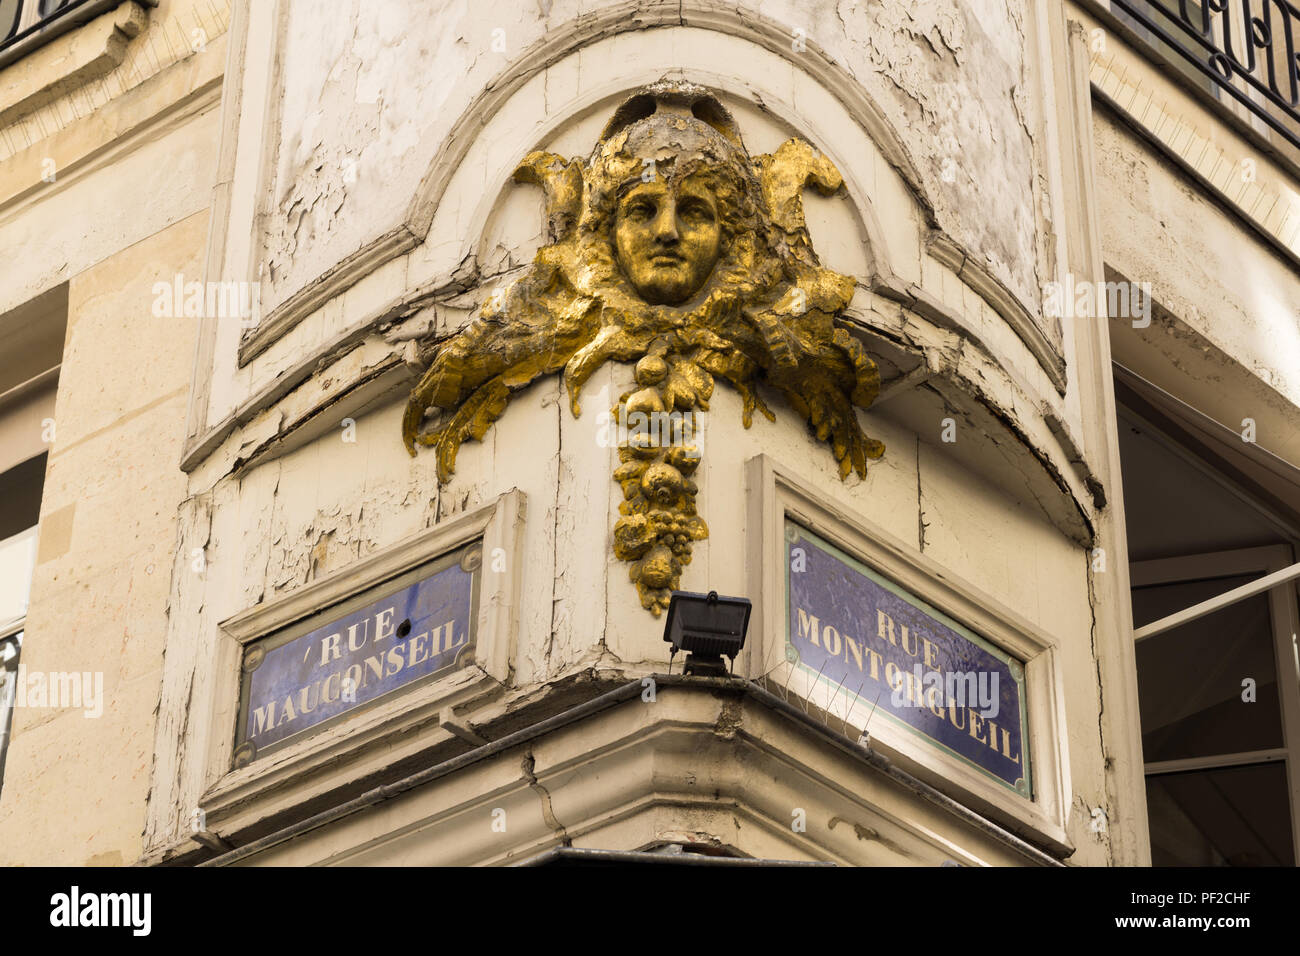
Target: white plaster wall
{"points": [[371, 90], [78, 222], [381, 89], [319, 508]]}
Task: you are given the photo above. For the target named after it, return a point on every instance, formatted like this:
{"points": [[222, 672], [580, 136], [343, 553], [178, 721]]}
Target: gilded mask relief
{"points": [[672, 249]]}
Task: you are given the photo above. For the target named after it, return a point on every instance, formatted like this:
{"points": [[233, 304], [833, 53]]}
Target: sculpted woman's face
{"points": [[668, 238]]}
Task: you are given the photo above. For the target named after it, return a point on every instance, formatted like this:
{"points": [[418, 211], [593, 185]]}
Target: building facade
{"points": [[376, 373]]}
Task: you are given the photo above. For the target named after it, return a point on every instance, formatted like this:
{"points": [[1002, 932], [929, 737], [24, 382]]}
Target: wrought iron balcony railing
{"points": [[21, 18], [28, 24], [1248, 50]]}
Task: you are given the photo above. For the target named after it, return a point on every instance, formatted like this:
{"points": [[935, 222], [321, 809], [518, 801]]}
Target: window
{"points": [[20, 503], [10, 644], [28, 24], [1219, 777], [20, 508], [1218, 687], [19, 18], [31, 350]]}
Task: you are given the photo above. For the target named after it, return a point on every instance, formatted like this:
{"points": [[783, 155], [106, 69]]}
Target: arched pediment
{"points": [[470, 224], [565, 75], [522, 113]]}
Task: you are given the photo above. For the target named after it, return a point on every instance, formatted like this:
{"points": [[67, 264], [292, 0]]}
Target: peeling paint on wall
{"points": [[956, 76], [371, 92]]}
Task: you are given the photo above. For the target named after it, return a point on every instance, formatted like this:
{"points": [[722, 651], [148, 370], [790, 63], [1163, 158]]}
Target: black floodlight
{"points": [[707, 627]]}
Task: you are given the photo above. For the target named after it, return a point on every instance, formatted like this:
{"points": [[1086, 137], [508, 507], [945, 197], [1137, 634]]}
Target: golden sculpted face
{"points": [[668, 238], [675, 252]]}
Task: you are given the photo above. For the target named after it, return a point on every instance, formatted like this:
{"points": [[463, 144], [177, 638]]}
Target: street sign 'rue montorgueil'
{"points": [[873, 643]]}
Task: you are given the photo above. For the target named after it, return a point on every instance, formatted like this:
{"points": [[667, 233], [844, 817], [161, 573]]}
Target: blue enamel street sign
{"points": [[352, 654], [874, 644]]}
